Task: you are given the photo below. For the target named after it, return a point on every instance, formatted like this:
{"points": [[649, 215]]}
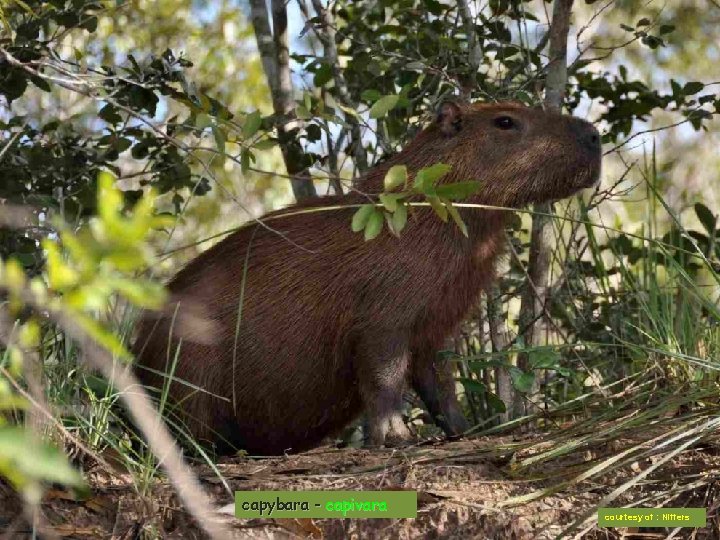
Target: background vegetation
{"points": [[134, 134]]}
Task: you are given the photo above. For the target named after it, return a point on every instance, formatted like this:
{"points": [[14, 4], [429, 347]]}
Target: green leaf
{"points": [[388, 219], [347, 110], [90, 297], [390, 200], [523, 382], [322, 75], [456, 217], [706, 217], [110, 114], [219, 135], [383, 106], [313, 132], [390, 203], [29, 335], [26, 460], [565, 372], [12, 275], [472, 386], [370, 95], [110, 201], [544, 358], [102, 335], [302, 112], [90, 24], [141, 292], [361, 216], [60, 275], [15, 361], [9, 402], [425, 178], [202, 120], [495, 402], [692, 88], [666, 28], [253, 121], [246, 157], [396, 176], [439, 208], [41, 83], [265, 144], [399, 219], [374, 224], [457, 190]]}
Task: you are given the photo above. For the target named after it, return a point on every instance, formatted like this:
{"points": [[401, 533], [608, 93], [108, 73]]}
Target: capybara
{"points": [[314, 326]]}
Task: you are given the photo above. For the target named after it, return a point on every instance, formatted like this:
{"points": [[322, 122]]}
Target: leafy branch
{"points": [[393, 207]]}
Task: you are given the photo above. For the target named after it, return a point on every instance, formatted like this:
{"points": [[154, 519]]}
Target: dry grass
{"points": [[467, 489]]}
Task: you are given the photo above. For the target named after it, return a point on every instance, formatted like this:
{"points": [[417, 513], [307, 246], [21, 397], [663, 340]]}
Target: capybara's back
{"points": [[302, 326]]}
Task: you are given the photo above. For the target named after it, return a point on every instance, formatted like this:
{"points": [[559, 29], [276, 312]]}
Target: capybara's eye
{"points": [[504, 122]]}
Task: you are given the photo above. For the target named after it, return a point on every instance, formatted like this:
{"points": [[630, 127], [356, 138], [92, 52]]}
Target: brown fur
{"points": [[332, 326]]}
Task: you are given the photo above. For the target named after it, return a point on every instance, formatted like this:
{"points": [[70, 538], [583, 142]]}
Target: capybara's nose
{"points": [[586, 134]]}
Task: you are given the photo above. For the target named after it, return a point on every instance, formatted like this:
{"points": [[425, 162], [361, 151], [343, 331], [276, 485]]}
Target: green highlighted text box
{"points": [[652, 517], [325, 504]]}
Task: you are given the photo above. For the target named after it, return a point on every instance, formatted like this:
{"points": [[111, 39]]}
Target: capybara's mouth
{"points": [[592, 182], [586, 180], [591, 176]]}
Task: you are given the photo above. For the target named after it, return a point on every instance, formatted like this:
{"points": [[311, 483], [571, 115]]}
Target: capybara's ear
{"points": [[449, 118]]}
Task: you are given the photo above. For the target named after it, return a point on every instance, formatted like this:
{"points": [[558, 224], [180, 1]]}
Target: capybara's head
{"points": [[519, 154]]}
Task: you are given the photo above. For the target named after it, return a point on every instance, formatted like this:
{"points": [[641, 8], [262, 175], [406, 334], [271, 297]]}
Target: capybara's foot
{"points": [[454, 424], [390, 432]]}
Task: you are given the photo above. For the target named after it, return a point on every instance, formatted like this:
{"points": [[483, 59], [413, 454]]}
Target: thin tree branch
{"points": [[499, 341], [284, 90], [265, 43], [327, 38], [475, 53], [557, 68], [535, 291]]}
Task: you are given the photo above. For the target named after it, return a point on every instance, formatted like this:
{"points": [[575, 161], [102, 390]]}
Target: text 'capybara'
{"points": [[313, 326]]}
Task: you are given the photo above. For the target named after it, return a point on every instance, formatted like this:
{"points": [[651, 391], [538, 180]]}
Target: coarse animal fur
{"points": [[313, 326]]}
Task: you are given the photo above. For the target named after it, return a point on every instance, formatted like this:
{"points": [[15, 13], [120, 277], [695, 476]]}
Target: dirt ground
{"points": [[466, 489]]}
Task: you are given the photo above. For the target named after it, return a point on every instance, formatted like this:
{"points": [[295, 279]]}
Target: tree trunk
{"points": [[327, 38], [475, 53], [532, 318], [500, 341], [275, 55]]}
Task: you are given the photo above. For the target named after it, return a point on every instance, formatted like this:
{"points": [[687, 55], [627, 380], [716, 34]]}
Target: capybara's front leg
{"points": [[382, 370], [435, 384]]}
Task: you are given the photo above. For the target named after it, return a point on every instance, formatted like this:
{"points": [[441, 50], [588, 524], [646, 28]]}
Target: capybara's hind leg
{"points": [[435, 384], [382, 369]]}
